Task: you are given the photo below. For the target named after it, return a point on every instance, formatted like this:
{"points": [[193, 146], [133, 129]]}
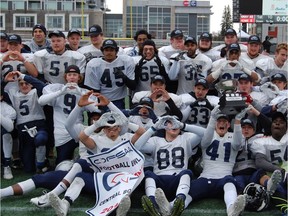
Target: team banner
{"points": [[120, 171]]}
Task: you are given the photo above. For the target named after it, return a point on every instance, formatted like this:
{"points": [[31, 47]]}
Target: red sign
{"points": [[247, 19], [186, 3]]}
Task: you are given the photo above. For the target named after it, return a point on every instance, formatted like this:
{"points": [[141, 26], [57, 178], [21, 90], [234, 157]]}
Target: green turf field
{"points": [[20, 205]]}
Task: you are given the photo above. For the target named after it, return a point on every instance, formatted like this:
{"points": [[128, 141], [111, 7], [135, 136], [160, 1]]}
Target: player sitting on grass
{"points": [[170, 174], [219, 151]]}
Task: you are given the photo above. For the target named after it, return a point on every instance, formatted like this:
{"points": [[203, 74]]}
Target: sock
{"points": [[5, 192], [7, 144], [69, 177], [75, 189], [230, 194], [150, 187], [184, 185], [27, 186], [40, 154]]}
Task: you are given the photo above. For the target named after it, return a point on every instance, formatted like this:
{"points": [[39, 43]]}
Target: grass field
{"points": [[20, 205]]}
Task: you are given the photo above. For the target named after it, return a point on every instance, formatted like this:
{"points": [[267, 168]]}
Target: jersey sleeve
{"points": [[37, 60], [258, 147]]}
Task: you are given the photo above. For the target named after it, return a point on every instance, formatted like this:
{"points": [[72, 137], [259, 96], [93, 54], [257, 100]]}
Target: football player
{"points": [[190, 67], [112, 74], [52, 62], [140, 37], [170, 173], [219, 151], [73, 38], [233, 66], [164, 102], [198, 104], [15, 60], [271, 152], [7, 117], [31, 125], [63, 98], [205, 46], [39, 41], [3, 44], [148, 65]]}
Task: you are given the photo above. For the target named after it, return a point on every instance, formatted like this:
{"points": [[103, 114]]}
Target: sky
{"points": [[217, 9]]}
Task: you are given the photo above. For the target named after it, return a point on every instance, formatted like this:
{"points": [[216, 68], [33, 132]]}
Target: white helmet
{"points": [[65, 165]]}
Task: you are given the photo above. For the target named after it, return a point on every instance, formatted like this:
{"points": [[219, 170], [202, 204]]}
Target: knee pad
{"points": [[41, 138]]}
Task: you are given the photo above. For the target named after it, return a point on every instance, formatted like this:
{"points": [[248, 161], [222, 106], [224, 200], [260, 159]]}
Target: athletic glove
{"points": [[243, 112], [119, 73], [270, 89], [215, 112]]}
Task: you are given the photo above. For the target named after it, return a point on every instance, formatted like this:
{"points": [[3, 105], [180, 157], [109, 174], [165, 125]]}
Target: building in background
{"points": [[162, 16], [19, 16]]}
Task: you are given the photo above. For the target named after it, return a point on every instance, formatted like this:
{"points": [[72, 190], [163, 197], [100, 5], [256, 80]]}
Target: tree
{"points": [[226, 20]]}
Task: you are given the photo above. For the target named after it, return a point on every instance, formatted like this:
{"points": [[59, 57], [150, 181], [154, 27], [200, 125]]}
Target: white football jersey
{"points": [[230, 72], [268, 66], [274, 150], [26, 106], [62, 106], [149, 70], [219, 157], [188, 71], [260, 56], [212, 54], [171, 157], [7, 110], [103, 143], [245, 159], [9, 66], [168, 51], [53, 66], [95, 52], [100, 76], [160, 107]]}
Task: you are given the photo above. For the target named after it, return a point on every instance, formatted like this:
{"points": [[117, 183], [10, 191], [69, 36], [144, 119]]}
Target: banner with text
{"points": [[120, 172]]}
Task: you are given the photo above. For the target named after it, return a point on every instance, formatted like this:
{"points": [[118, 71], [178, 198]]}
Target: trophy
{"points": [[231, 102]]}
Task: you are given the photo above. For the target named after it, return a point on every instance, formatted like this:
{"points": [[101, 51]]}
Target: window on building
{"points": [[55, 21], [75, 21], [202, 23], [67, 6], [18, 5], [159, 22], [50, 5], [2, 22], [4, 5], [34, 5], [24, 21]]}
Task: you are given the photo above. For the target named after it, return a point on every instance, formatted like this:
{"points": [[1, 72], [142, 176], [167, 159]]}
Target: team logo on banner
{"points": [[120, 171]]}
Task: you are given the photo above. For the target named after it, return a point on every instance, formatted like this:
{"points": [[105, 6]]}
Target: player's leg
{"points": [[234, 204], [40, 141], [47, 180], [66, 151], [148, 201], [82, 179], [7, 144], [182, 197]]}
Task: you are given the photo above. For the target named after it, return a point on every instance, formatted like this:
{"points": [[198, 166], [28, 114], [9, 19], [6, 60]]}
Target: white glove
{"points": [[270, 89], [64, 89], [31, 131], [215, 112], [243, 112], [282, 106], [162, 123]]}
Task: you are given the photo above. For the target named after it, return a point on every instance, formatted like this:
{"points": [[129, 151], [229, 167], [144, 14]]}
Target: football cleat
{"points": [[41, 201], [178, 206], [124, 206], [61, 207], [237, 207], [7, 173], [149, 206], [163, 203], [274, 181]]}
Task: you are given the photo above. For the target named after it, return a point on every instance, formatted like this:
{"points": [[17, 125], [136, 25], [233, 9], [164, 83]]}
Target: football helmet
{"points": [[257, 197], [65, 165]]}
